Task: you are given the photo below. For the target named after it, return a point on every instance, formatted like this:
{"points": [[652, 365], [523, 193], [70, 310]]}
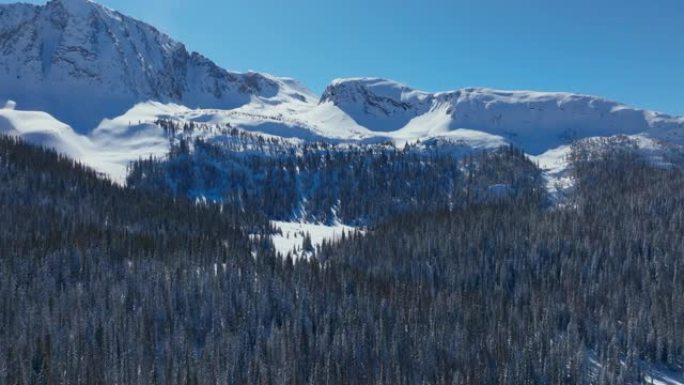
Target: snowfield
{"points": [[108, 149], [293, 233], [91, 83]]}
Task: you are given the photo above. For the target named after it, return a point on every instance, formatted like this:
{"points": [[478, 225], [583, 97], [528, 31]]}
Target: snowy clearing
{"points": [[293, 233]]}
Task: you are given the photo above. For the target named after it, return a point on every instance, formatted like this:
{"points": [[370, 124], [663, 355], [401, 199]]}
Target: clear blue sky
{"points": [[627, 50]]}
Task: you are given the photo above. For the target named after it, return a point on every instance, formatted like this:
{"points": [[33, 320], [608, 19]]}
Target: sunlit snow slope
{"points": [[91, 82]]}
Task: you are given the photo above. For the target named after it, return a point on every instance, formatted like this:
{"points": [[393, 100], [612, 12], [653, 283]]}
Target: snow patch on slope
{"points": [[555, 163], [651, 374], [293, 233], [103, 151], [42, 129]]}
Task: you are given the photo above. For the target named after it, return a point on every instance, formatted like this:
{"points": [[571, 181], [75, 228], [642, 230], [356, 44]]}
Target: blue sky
{"points": [[628, 50]]}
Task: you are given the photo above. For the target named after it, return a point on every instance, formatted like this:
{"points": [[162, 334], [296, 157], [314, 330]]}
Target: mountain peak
{"points": [[69, 53], [74, 4], [375, 86], [74, 8], [82, 63]]}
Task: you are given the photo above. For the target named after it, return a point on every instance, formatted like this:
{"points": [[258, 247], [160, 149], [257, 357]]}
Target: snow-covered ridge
{"points": [[377, 104], [82, 63], [68, 54], [91, 82], [533, 120]]}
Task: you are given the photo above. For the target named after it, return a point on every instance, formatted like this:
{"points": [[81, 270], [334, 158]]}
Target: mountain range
{"points": [[91, 82]]}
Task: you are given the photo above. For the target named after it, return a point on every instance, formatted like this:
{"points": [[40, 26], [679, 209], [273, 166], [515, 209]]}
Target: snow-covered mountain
{"points": [[68, 54], [91, 82], [535, 121]]}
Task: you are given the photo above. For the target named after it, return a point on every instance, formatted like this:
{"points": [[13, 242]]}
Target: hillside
{"points": [[105, 284]]}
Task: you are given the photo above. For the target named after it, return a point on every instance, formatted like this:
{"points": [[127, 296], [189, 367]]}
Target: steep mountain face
{"points": [[73, 65], [69, 54]]}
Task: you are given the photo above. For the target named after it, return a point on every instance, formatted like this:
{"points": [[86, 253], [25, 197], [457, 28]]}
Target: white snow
{"points": [[652, 374], [108, 149], [534, 121], [660, 378], [90, 82], [10, 105], [554, 165], [82, 62], [43, 129], [555, 162], [291, 240]]}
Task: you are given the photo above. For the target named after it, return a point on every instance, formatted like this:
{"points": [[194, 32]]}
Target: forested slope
{"points": [[512, 293], [101, 284], [326, 183], [50, 203]]}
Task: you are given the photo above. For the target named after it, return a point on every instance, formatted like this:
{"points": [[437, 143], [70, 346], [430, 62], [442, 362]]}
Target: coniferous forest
{"points": [[468, 272], [322, 182]]}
